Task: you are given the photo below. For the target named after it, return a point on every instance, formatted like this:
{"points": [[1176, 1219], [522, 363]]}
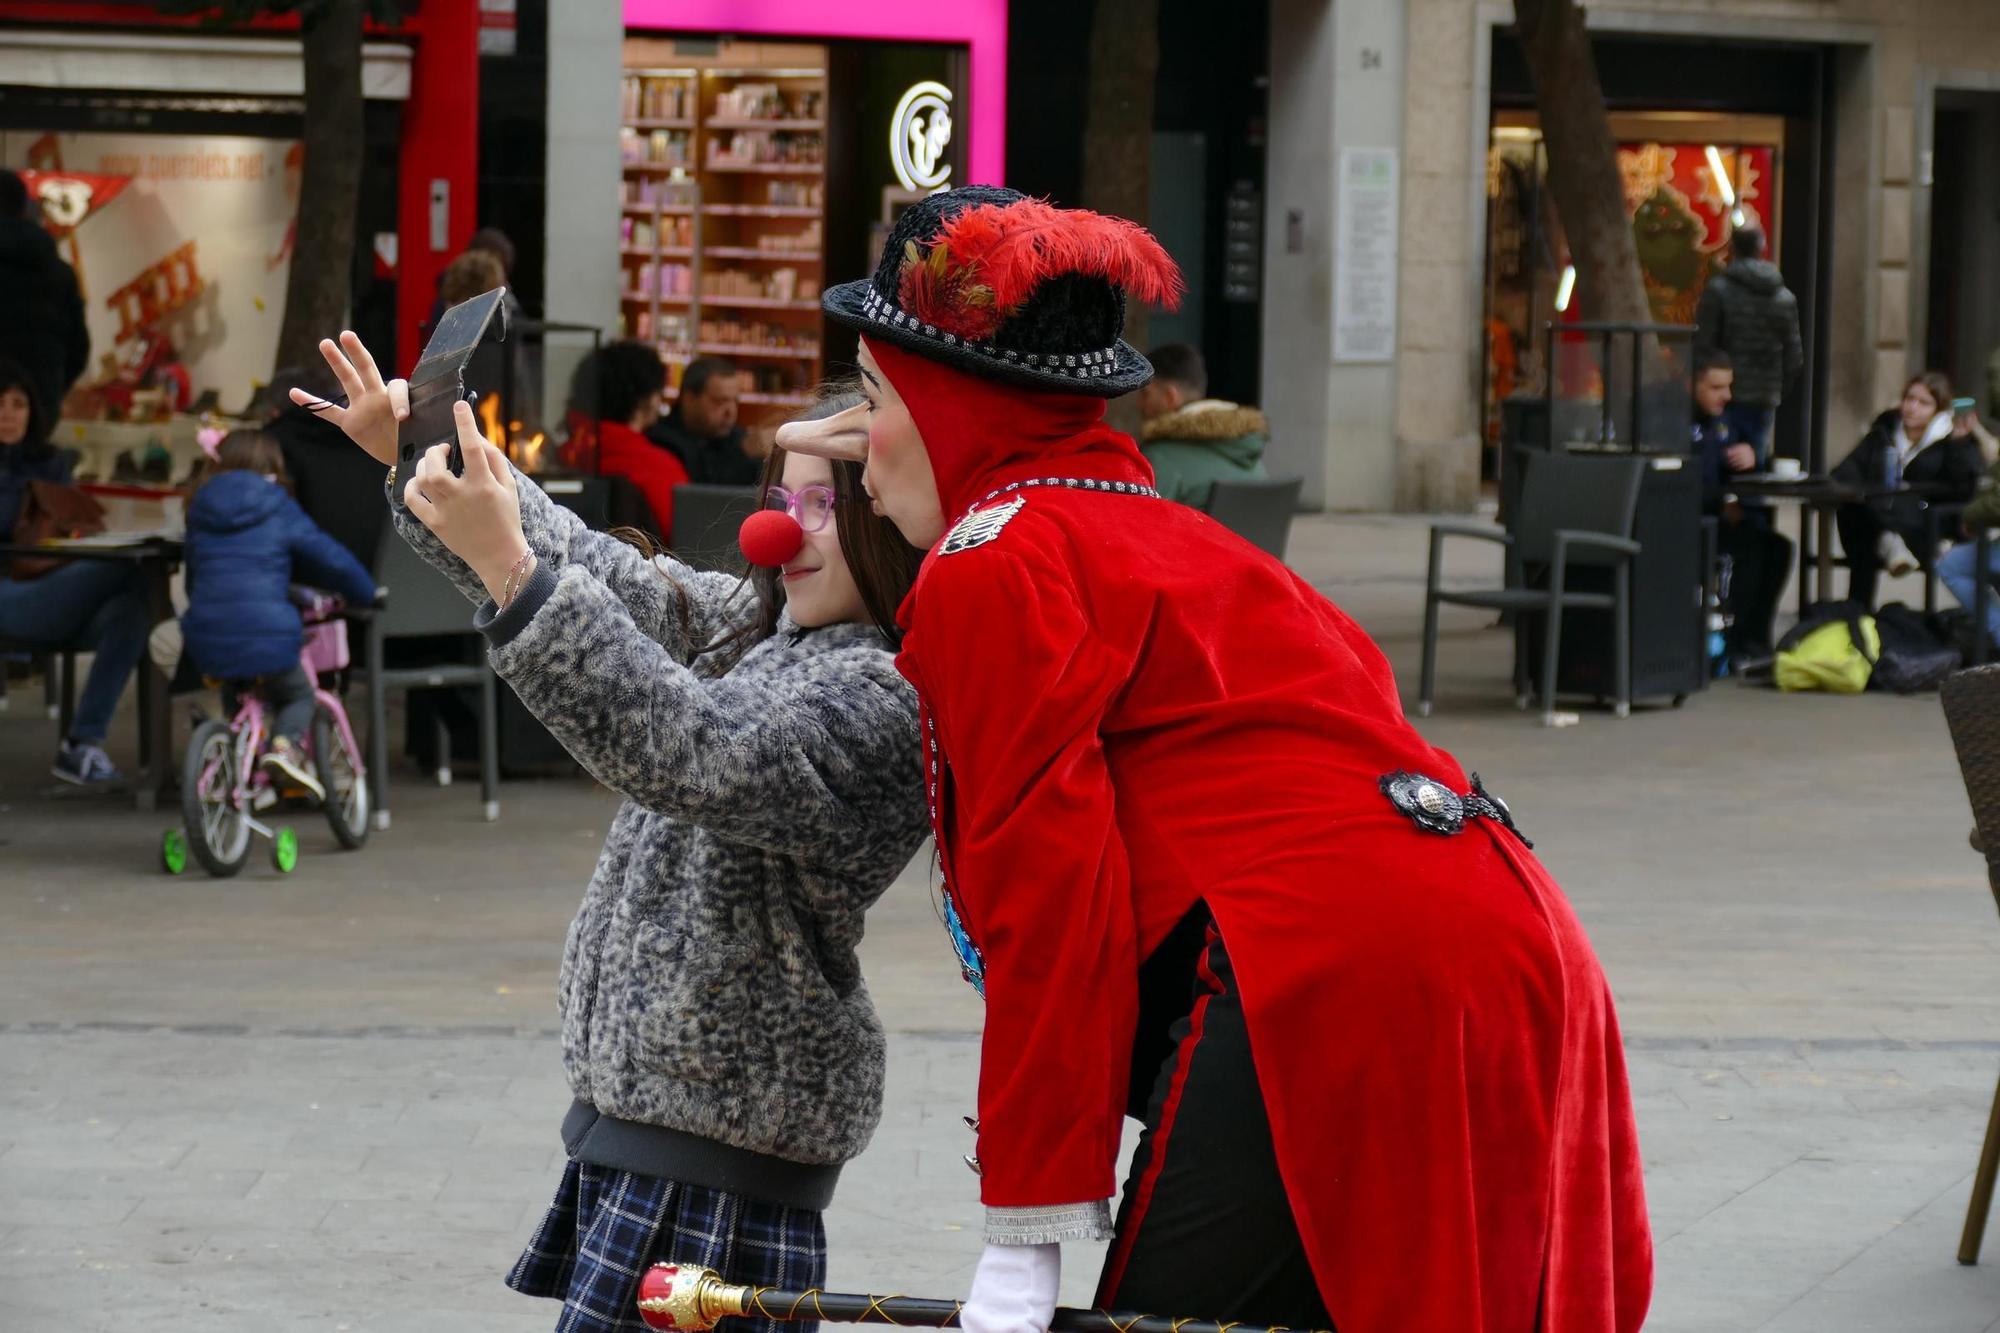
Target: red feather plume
{"points": [[988, 259]]}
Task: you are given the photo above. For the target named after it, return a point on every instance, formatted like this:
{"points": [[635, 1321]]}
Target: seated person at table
{"points": [[702, 429], [248, 542], [1192, 440], [97, 605], [1955, 567], [613, 399], [1759, 557], [1913, 444]]}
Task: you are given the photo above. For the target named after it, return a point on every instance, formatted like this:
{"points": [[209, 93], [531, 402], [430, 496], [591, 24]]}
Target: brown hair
{"points": [[883, 563], [469, 275], [247, 450], [1937, 384]]}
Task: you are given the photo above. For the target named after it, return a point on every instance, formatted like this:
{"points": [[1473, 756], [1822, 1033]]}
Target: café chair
{"points": [[1576, 513], [421, 603], [1259, 511], [1971, 702]]}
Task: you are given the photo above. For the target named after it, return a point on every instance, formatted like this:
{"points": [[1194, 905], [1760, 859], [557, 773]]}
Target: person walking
{"points": [[44, 328], [1747, 313]]}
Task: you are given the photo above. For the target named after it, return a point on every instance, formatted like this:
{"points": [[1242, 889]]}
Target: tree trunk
{"points": [[319, 286], [1583, 160], [1118, 131]]}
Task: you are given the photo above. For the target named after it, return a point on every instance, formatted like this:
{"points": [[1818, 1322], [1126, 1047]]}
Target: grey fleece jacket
{"points": [[709, 983]]}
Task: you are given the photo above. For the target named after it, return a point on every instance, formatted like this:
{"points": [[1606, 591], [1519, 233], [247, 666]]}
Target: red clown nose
{"points": [[770, 537]]}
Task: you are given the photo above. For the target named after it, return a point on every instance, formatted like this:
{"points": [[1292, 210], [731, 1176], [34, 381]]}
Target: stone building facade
{"points": [[1403, 428]]}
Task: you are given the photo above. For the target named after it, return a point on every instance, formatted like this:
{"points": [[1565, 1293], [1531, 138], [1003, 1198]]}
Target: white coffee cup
{"points": [[1787, 469]]}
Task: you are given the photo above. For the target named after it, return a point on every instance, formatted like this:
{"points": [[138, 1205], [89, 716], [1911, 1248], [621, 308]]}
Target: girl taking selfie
{"points": [[724, 1055]]}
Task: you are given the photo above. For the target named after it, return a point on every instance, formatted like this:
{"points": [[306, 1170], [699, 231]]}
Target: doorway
{"points": [[1962, 322]]}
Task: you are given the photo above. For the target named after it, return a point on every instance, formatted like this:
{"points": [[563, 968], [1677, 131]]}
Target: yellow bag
{"points": [[1828, 658]]}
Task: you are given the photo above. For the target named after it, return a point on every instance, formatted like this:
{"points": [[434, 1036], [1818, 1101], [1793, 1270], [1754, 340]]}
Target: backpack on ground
{"points": [[1917, 653], [1833, 648]]}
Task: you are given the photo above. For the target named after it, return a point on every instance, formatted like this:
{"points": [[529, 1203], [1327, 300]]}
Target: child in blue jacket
{"points": [[248, 542]]}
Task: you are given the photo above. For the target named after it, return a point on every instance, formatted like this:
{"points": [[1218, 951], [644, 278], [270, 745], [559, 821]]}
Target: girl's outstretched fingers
{"points": [[364, 364]]}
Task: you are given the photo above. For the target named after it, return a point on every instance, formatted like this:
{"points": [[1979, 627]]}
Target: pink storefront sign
{"points": [[978, 25]]}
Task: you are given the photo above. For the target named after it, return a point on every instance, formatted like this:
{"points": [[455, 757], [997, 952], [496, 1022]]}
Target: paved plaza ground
{"points": [[329, 1102]]}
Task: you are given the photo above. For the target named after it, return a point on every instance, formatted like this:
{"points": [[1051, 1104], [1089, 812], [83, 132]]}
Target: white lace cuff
{"points": [[1046, 1226]]}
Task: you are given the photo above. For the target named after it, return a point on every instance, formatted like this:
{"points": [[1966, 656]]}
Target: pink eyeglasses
{"points": [[811, 505]]}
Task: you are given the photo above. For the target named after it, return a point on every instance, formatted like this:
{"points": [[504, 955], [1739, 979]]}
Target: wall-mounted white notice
{"points": [[1364, 257]]}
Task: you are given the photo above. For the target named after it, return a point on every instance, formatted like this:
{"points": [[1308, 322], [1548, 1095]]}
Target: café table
{"points": [[156, 558], [1819, 500]]}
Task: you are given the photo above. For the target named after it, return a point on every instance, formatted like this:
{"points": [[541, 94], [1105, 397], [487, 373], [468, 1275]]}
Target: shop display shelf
{"points": [[769, 168], [647, 252], [669, 210], [752, 252], [756, 73], [764, 124], [758, 302], [659, 124], [764, 210], [749, 351], [631, 297], [661, 168]]}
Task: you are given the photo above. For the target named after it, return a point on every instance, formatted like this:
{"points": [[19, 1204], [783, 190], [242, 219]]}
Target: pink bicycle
{"points": [[224, 790]]}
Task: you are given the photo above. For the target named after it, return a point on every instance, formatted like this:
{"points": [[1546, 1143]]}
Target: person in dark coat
{"points": [[1759, 556], [338, 486], [1748, 314], [95, 605], [44, 329], [248, 542], [702, 429], [1915, 443]]}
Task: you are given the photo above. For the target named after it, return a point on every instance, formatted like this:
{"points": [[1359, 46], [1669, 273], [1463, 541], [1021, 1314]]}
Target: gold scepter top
{"points": [[688, 1298]]}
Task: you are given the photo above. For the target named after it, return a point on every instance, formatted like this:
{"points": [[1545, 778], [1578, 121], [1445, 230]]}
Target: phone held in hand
{"points": [[438, 382]]}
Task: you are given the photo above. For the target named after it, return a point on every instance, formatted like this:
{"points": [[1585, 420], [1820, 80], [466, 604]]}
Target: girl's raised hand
{"points": [[373, 407], [477, 515]]}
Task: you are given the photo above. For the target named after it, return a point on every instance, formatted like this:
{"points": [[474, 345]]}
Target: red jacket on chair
{"points": [[1136, 711]]}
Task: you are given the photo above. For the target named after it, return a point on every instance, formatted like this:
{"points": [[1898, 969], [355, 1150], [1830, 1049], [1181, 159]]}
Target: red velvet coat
{"points": [[1136, 710]]}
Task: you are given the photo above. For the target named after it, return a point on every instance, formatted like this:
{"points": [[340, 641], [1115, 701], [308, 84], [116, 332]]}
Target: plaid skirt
{"points": [[606, 1227]]}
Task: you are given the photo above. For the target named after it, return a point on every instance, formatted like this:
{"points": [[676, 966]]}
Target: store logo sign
{"points": [[919, 135]]}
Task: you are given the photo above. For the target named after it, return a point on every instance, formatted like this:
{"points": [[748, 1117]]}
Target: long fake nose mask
{"points": [[844, 435]]}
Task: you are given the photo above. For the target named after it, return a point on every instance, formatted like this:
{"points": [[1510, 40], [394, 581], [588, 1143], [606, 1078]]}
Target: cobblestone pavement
{"points": [[329, 1102]]}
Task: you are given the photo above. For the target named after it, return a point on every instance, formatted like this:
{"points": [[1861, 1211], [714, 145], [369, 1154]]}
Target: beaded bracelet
{"points": [[517, 579]]}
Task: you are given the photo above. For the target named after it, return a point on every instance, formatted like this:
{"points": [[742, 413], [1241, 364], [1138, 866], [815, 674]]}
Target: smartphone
{"points": [[1962, 407], [438, 382]]}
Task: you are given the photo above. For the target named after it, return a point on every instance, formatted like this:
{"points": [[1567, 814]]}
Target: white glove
{"points": [[1013, 1290]]}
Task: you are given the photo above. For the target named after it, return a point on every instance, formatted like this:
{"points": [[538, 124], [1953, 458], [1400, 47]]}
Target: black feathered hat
{"points": [[1011, 288]]}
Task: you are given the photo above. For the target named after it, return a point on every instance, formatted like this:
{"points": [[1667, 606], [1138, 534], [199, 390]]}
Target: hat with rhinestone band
{"points": [[1010, 288]]}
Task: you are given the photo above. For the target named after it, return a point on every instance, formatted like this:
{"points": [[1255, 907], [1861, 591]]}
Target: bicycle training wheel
{"points": [[285, 850]]}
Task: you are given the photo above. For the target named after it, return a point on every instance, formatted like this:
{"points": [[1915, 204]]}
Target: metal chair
{"points": [[1259, 511], [1971, 702], [58, 668], [706, 518], [422, 603], [1576, 512]]}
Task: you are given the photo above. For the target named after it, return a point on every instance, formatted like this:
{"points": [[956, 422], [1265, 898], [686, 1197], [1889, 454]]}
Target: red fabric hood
{"points": [[982, 434]]}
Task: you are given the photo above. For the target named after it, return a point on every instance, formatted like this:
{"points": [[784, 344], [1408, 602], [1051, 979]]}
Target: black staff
{"points": [[685, 1298]]}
